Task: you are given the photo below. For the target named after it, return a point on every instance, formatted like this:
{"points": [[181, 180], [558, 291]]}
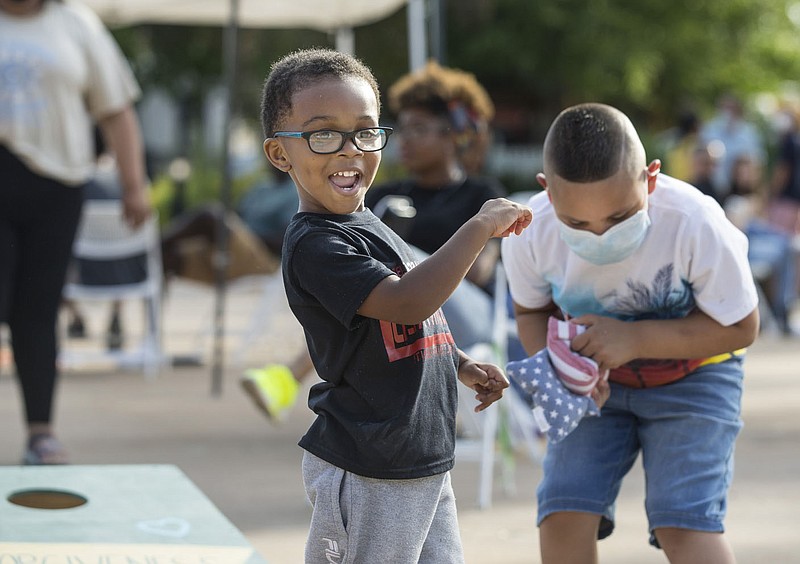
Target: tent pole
{"points": [[438, 19], [230, 39], [346, 40], [417, 36]]}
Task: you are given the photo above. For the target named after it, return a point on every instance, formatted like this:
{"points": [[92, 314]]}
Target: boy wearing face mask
{"points": [[660, 279]]}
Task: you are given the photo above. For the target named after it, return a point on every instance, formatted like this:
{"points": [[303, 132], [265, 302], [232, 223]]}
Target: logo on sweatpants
{"points": [[332, 553]]}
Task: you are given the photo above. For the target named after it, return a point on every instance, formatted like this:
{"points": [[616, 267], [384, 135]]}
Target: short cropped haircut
{"points": [[590, 142], [445, 92], [301, 69]]}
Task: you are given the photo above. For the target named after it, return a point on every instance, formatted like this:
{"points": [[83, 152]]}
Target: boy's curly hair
{"points": [[300, 69], [446, 92]]}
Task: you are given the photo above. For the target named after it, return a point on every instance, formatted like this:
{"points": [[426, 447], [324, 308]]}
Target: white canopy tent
{"points": [[324, 15], [338, 16]]}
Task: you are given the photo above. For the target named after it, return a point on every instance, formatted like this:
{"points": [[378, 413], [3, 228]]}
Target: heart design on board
{"points": [[166, 527]]}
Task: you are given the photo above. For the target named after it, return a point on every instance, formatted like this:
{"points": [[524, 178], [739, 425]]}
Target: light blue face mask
{"points": [[616, 244]]}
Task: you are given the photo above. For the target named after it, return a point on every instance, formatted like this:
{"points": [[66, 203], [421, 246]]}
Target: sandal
{"points": [[45, 449]]}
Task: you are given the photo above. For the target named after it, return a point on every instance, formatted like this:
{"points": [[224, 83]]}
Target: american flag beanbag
{"points": [[556, 410], [579, 373]]}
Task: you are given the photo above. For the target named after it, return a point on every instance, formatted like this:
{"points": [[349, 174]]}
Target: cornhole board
{"points": [[116, 514]]}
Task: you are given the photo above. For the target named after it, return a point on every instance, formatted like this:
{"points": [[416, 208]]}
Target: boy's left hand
{"points": [[486, 379], [608, 341]]}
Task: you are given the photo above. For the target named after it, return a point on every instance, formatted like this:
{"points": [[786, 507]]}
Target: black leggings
{"points": [[38, 220]]}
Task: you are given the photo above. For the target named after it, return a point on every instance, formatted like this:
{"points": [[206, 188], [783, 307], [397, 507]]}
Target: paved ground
{"points": [[250, 469]]}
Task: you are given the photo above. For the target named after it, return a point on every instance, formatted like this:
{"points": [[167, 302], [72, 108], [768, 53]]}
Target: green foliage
{"points": [[203, 186], [649, 57], [162, 194], [383, 46], [187, 61]]}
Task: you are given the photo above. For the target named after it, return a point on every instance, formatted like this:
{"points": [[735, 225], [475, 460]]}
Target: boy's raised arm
{"points": [[421, 291]]}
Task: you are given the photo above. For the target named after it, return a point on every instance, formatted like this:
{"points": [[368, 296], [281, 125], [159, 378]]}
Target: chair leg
{"points": [[769, 322], [523, 425], [487, 457], [271, 292], [151, 347]]}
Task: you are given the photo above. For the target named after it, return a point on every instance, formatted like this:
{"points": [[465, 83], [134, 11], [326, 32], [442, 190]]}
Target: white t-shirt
{"points": [[61, 72], [692, 256]]}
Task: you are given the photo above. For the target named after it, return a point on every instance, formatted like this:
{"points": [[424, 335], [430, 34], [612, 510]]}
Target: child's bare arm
{"points": [[485, 378], [421, 291], [612, 343], [122, 133], [532, 326]]}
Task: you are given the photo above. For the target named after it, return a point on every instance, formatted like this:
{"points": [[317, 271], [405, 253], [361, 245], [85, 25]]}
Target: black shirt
{"points": [[387, 404], [789, 155], [440, 212]]}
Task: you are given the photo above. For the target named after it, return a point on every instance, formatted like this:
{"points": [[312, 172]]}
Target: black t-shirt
{"points": [[789, 155], [440, 212], [386, 407]]}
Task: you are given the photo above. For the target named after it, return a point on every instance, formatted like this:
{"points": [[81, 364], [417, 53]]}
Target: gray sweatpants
{"points": [[358, 520]]}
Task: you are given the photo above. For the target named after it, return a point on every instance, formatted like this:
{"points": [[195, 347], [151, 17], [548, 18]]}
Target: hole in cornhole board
{"points": [[47, 499]]}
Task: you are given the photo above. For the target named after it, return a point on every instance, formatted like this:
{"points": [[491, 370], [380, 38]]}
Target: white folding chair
{"points": [[103, 235], [268, 294], [270, 300], [479, 431]]}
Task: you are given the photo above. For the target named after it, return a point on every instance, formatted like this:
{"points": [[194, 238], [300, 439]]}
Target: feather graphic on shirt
{"points": [[659, 300]]}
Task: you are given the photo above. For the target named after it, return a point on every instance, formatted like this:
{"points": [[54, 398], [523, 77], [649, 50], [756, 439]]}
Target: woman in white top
{"points": [[61, 72]]}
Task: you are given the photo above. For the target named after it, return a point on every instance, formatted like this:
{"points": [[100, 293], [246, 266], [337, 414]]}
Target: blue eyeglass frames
{"points": [[326, 141]]}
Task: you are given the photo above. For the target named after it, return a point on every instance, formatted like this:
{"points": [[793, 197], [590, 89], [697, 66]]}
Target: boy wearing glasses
{"points": [[378, 455]]}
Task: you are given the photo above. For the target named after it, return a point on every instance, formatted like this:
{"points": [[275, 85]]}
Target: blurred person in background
{"points": [[730, 136], [442, 124], [784, 204], [680, 143], [61, 71], [770, 249], [704, 163]]}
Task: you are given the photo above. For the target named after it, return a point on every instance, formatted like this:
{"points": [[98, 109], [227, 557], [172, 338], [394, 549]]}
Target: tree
{"points": [[648, 57]]}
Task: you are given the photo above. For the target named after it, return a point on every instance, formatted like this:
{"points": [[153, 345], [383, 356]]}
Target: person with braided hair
{"points": [[443, 117]]}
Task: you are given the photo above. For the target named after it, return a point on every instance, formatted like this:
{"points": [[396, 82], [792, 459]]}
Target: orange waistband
{"points": [[649, 373]]}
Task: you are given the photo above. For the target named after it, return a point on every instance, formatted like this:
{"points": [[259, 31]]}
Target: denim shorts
{"points": [[685, 432]]}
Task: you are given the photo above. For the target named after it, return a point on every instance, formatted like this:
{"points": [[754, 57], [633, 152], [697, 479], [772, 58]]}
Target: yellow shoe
{"points": [[273, 389]]}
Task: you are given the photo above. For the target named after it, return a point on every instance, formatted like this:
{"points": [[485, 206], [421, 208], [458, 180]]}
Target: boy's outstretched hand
{"points": [[485, 378], [506, 217]]}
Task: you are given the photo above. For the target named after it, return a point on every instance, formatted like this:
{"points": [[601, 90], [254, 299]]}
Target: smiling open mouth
{"points": [[346, 179]]}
